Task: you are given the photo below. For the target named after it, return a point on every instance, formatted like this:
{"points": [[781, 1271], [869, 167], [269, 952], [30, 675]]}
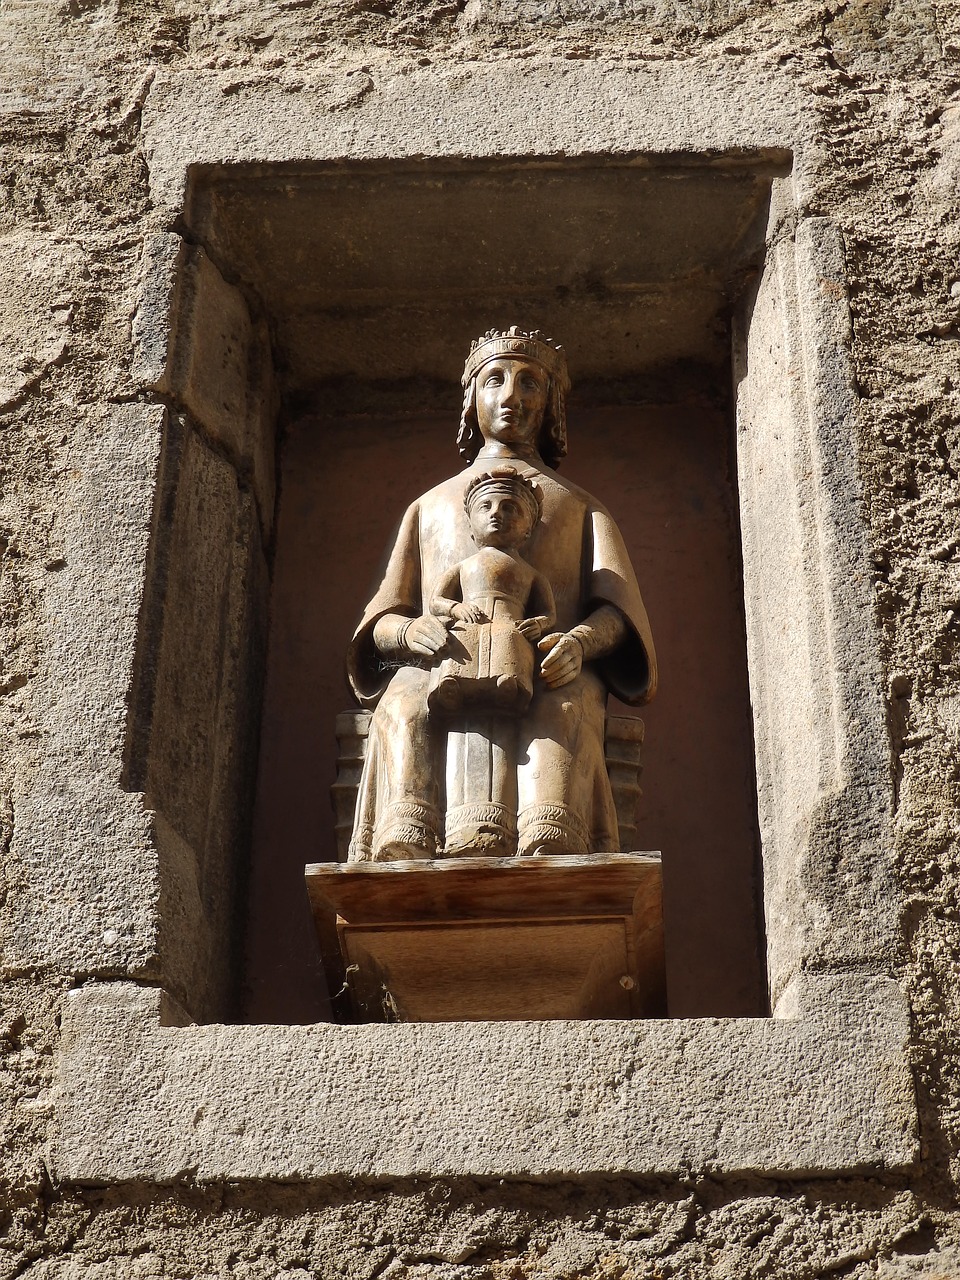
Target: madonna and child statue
{"points": [[506, 612]]}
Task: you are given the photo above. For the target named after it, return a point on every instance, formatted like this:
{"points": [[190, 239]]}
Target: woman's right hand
{"points": [[425, 636]]}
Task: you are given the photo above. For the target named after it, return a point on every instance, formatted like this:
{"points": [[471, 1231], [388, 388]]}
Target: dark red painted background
{"points": [[664, 473]]}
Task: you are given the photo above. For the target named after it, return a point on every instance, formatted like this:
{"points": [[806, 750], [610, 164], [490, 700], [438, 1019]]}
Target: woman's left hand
{"points": [[564, 658]]}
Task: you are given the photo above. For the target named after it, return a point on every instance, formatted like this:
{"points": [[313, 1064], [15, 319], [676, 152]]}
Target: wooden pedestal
{"points": [[494, 939]]}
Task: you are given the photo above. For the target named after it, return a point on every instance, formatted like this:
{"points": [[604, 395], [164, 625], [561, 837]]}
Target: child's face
{"points": [[499, 520]]}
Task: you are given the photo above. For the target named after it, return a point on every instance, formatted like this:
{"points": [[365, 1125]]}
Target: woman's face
{"points": [[511, 399]]}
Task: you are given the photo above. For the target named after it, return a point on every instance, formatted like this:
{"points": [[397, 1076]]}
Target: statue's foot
{"points": [[447, 694], [401, 851], [513, 696], [480, 846], [543, 850]]}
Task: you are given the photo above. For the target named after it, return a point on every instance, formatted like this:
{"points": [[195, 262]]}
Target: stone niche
{"points": [[321, 319], [305, 318]]}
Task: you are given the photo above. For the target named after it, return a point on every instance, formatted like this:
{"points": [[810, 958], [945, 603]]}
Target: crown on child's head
{"points": [[505, 480], [518, 344]]}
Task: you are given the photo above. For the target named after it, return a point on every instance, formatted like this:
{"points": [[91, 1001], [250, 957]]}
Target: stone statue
{"points": [[456, 768]]}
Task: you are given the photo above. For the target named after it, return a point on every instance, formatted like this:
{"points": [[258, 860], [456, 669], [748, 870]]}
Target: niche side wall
{"points": [[824, 787], [198, 679]]}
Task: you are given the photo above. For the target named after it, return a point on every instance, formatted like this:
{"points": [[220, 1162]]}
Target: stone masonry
{"points": [[98, 99]]}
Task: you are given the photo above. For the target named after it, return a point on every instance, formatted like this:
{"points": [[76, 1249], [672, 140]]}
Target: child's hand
{"points": [[469, 613], [532, 628]]}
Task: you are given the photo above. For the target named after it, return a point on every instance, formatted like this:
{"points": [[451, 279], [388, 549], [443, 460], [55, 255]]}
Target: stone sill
{"points": [[825, 1091]]}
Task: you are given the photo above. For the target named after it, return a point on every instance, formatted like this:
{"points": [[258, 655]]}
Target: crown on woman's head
{"points": [[520, 344], [509, 479]]}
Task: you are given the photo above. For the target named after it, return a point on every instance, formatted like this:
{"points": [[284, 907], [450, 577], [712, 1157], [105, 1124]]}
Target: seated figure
{"points": [[500, 606], [533, 783]]}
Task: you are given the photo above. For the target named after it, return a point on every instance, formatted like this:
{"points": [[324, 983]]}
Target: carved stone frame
{"points": [[821, 1087]]}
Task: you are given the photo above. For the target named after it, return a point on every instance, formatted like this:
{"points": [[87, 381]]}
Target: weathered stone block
{"points": [[211, 364], [205, 708], [822, 774], [81, 852], [163, 257], [38, 280], [221, 369], [817, 1092], [673, 14]]}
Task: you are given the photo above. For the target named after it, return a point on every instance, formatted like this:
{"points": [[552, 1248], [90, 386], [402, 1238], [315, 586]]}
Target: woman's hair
{"points": [[551, 442]]}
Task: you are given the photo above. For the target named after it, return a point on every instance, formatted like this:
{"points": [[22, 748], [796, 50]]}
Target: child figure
{"points": [[500, 605]]}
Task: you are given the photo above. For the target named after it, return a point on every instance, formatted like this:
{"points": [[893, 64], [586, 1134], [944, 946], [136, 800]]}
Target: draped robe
{"points": [[546, 787]]}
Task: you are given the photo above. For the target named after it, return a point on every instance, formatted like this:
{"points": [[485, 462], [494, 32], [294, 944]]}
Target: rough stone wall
{"points": [[882, 81]]}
